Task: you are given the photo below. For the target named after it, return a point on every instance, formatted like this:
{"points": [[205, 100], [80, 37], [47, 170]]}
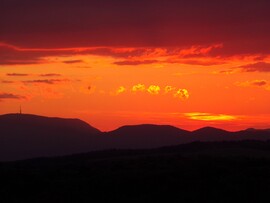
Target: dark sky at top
{"points": [[243, 25]]}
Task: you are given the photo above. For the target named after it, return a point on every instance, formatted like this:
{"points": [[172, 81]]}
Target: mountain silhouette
{"points": [[147, 136], [24, 136], [211, 134], [210, 131]]}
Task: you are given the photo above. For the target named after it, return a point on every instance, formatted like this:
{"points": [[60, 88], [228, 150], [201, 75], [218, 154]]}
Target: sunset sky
{"points": [[187, 63]]}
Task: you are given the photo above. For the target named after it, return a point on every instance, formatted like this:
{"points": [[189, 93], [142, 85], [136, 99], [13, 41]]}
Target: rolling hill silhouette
{"points": [[210, 131], [230, 171], [147, 136], [25, 136]]}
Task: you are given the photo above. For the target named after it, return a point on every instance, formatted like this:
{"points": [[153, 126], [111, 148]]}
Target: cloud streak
{"points": [[13, 55], [17, 74], [135, 63], [255, 83], [7, 81], [256, 67], [46, 81], [4, 96], [200, 55], [50, 75], [209, 116], [73, 61]]}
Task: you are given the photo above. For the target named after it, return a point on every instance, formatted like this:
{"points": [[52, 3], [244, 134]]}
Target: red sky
{"points": [[111, 63]]}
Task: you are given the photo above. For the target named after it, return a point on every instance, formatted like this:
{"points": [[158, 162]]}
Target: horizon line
{"points": [[130, 125]]}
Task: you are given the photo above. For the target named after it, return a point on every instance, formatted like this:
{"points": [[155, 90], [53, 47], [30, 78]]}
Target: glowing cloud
{"points": [[120, 90], [182, 94], [209, 116], [138, 87], [153, 89], [168, 89]]}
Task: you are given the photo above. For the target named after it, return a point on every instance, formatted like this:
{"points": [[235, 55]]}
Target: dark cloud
{"points": [[124, 56], [73, 61], [196, 62], [47, 81], [255, 83], [13, 55], [259, 83], [243, 25], [40, 75], [119, 52], [83, 67], [135, 62], [50, 75], [256, 67], [17, 74], [10, 96], [229, 71]]}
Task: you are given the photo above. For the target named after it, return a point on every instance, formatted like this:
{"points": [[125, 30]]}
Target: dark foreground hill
{"points": [[25, 136], [197, 172]]}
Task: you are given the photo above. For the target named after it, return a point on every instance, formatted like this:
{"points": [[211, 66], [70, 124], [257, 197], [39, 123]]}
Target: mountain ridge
{"points": [[124, 126], [27, 136]]}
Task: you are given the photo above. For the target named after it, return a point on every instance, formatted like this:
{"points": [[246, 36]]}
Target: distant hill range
{"points": [[24, 136]]}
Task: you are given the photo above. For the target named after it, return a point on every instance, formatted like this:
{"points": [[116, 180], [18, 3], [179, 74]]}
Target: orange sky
{"points": [[111, 63], [184, 87]]}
